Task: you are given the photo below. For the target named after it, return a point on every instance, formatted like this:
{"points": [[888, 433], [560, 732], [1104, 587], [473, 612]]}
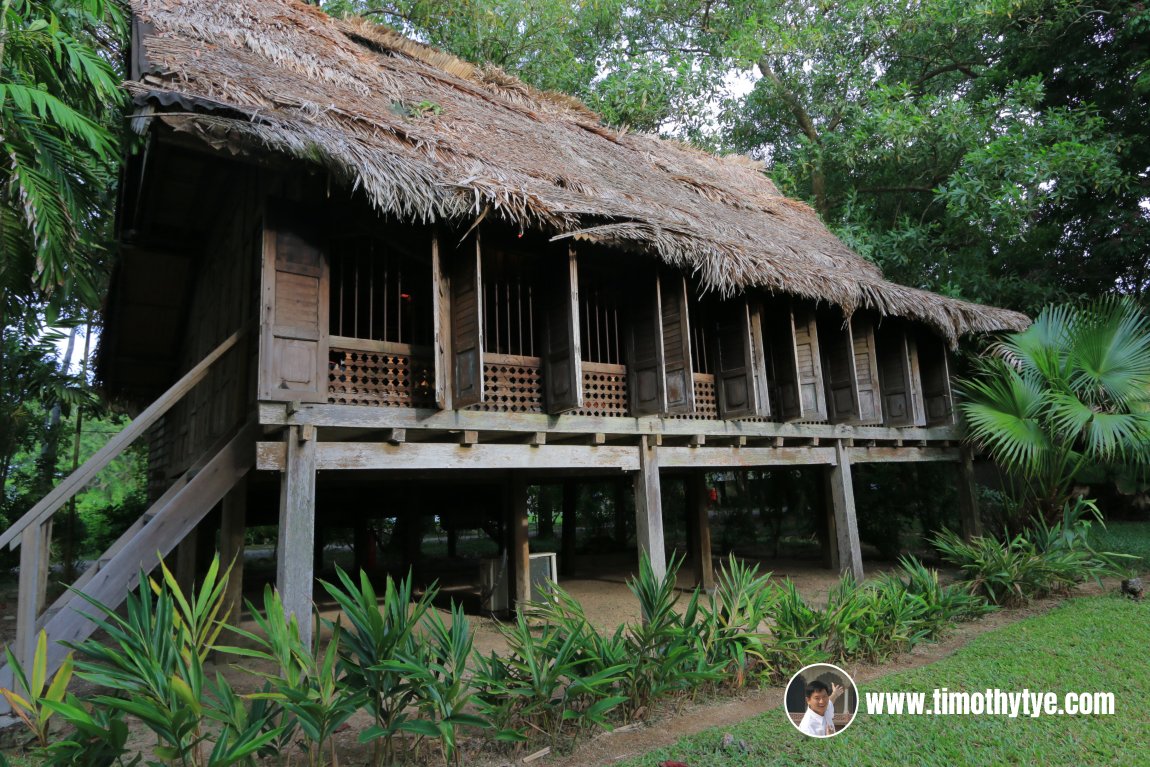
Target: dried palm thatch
{"points": [[432, 138]]}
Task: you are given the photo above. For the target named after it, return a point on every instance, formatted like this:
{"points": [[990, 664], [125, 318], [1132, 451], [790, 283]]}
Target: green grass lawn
{"points": [[1085, 645], [1126, 538]]}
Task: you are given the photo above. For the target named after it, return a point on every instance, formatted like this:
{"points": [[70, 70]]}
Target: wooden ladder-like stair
{"points": [[155, 534]]}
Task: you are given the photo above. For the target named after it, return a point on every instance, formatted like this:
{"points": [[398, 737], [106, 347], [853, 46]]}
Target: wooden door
{"points": [[779, 333], [679, 382], [294, 315], [562, 358], [808, 362], [839, 369], [866, 369], [934, 367], [646, 385], [734, 361]]}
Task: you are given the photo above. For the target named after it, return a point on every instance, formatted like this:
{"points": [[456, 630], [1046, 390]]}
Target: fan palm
{"points": [[58, 92], [1070, 392]]}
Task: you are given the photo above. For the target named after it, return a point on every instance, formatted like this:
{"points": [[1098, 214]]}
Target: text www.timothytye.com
{"points": [[945, 702]]}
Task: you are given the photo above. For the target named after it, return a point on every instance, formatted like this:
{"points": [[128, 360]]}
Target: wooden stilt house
{"points": [[358, 274]]}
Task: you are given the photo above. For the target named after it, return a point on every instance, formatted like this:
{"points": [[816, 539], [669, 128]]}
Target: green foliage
{"points": [[1050, 559], [377, 635], [34, 705], [1055, 651], [305, 682], [1068, 393], [733, 620]]}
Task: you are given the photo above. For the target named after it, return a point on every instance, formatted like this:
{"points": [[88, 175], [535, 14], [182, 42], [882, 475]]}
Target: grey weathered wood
{"points": [[649, 508], [467, 327], [970, 517], [840, 374], [902, 454], [294, 575], [646, 378], [187, 557], [520, 547], [430, 455], [233, 528], [736, 384], [867, 383], [167, 527], [724, 457], [295, 294], [351, 416], [562, 357], [759, 353], [441, 321], [35, 551], [679, 382], [846, 522], [696, 500], [76, 481]]}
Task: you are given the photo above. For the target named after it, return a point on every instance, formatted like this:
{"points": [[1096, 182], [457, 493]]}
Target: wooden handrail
{"points": [[77, 480]]}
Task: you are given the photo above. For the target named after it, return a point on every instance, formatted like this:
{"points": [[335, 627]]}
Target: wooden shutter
{"points": [[866, 369], [779, 329], [760, 348], [441, 331], [935, 370], [734, 361], [646, 387], [467, 326], [562, 363], [680, 384], [294, 328], [839, 370], [808, 364], [898, 377]]}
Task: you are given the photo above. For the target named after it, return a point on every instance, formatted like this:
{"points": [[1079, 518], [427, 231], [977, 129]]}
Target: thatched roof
{"points": [[432, 138]]}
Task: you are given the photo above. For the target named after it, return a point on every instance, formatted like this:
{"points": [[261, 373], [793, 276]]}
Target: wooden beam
{"points": [[187, 559], [902, 454], [432, 455], [294, 574], [696, 500], [520, 548], [970, 517], [846, 522], [736, 457], [355, 416], [649, 508]]}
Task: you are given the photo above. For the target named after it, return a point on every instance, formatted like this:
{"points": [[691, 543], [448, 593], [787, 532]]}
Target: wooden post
{"points": [[570, 512], [35, 555], [970, 517], [294, 575], [845, 521], [700, 525], [649, 508], [520, 559], [233, 527], [828, 535]]}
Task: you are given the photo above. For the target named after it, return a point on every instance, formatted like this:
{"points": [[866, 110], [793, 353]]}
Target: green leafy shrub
{"points": [[1049, 559], [733, 621]]}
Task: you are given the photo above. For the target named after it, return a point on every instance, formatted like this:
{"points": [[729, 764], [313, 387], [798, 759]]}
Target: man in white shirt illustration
{"points": [[819, 720]]}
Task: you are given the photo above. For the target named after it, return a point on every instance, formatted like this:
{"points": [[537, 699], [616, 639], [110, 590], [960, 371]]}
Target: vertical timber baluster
{"points": [[34, 561]]}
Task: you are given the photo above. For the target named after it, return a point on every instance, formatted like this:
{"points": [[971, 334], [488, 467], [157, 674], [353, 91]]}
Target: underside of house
{"points": [[361, 279]]}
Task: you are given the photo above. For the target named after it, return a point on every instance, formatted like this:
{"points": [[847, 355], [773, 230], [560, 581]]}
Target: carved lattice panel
{"points": [[378, 379], [604, 390], [511, 386]]}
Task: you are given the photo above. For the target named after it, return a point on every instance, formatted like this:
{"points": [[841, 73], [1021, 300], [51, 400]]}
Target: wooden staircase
{"points": [[155, 534]]}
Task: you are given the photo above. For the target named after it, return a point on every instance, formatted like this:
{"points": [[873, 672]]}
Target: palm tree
{"points": [[1070, 392], [58, 157]]}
